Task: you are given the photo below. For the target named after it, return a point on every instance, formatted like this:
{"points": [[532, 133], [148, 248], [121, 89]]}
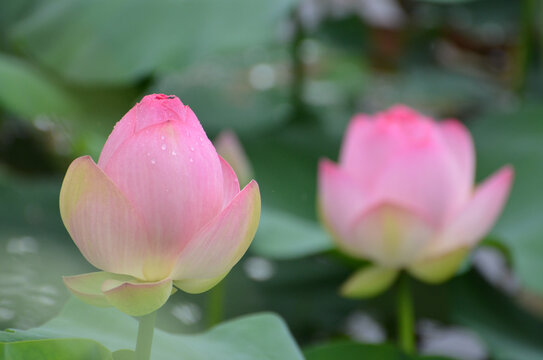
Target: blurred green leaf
{"points": [[432, 89], [261, 336], [447, 1], [223, 96], [35, 250], [509, 332], [285, 166], [282, 235], [348, 350], [10, 13], [123, 355], [100, 42], [516, 138], [54, 349], [80, 116], [27, 92]]}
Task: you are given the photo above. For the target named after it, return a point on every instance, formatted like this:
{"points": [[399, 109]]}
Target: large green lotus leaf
{"points": [[83, 115], [117, 42], [348, 350], [262, 336], [508, 331], [28, 92], [287, 177], [54, 349], [35, 251], [516, 138]]}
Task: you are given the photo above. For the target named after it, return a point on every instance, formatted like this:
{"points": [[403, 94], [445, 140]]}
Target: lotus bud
{"points": [[403, 197], [160, 210]]}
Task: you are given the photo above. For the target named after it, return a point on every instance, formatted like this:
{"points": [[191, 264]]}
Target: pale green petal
{"points": [[368, 282], [137, 298], [438, 269], [88, 287], [196, 286]]}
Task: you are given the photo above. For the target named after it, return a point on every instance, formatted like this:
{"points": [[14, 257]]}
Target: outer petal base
{"points": [[137, 299], [369, 281], [197, 286], [390, 235], [439, 269], [124, 292]]}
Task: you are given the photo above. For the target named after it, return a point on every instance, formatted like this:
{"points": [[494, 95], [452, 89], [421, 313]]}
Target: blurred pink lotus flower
{"points": [[403, 197], [229, 147], [160, 209]]}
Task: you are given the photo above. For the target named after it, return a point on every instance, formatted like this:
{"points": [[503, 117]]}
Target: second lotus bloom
{"points": [[159, 209], [403, 197]]}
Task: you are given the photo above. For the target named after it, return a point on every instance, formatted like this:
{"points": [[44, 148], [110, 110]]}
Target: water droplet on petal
{"points": [[163, 147], [191, 148], [148, 154], [174, 153], [191, 160], [162, 137], [153, 161]]}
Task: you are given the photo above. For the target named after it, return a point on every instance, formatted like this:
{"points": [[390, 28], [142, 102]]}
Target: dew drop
{"points": [[191, 148], [153, 161], [163, 147], [162, 137], [191, 160], [201, 139], [148, 154], [174, 153]]}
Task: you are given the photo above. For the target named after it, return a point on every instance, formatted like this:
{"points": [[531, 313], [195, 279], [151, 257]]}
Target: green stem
{"points": [[406, 319], [145, 336], [524, 46], [299, 113], [215, 304]]}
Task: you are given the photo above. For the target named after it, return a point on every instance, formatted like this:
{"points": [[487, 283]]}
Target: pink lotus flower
{"points": [[403, 196], [229, 147], [160, 208]]}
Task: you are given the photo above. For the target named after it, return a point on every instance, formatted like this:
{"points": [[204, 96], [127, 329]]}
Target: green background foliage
{"points": [[286, 76]]}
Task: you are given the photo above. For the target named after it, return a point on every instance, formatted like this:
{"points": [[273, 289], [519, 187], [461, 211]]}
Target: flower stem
{"points": [[145, 336], [406, 335], [524, 45], [297, 87], [215, 304]]}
